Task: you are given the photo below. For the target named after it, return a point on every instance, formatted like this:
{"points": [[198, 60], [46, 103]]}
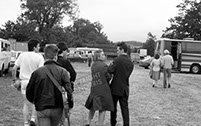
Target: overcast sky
{"points": [[123, 20]]}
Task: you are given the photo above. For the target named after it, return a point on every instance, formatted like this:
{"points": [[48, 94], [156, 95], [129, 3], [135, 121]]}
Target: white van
{"points": [[5, 56]]}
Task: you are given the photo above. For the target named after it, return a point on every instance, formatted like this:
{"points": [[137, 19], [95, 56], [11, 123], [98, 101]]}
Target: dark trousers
{"points": [[123, 101], [70, 101]]}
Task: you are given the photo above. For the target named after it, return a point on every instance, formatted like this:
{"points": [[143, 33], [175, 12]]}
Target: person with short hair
{"points": [[100, 98], [42, 91], [155, 67], [121, 69], [167, 63], [63, 61], [28, 62]]}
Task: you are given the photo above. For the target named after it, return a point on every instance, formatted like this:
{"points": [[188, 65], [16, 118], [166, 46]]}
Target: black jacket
{"points": [[121, 68], [40, 89], [67, 65]]}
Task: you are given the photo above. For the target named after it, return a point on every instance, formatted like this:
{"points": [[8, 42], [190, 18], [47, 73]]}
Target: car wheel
{"points": [[195, 69], [6, 70]]}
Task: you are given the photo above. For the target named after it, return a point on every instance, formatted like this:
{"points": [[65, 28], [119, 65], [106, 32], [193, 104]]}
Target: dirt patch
{"points": [[178, 106]]}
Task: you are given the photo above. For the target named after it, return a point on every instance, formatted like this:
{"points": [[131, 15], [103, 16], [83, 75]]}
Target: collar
{"points": [[48, 62]]}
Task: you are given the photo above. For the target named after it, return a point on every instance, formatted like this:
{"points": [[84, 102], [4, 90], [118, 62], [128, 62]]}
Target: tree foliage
{"points": [[150, 44], [42, 20], [187, 23]]}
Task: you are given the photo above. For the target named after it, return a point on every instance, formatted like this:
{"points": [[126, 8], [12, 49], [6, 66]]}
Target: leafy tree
{"points": [[21, 30], [150, 44], [47, 14], [187, 23], [89, 32]]}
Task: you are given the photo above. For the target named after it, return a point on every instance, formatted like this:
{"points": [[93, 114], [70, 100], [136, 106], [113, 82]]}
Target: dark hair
{"points": [[122, 45], [156, 56], [50, 50], [32, 43], [62, 47]]}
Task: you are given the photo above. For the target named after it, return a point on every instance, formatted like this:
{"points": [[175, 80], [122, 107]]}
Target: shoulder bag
{"points": [[64, 96]]}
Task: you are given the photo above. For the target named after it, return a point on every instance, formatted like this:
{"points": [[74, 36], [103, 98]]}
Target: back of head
{"points": [[62, 47], [32, 43], [122, 45], [50, 51], [166, 52], [156, 56], [97, 55]]}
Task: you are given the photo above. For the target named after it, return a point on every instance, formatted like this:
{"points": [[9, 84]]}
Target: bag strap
{"points": [[53, 80]]}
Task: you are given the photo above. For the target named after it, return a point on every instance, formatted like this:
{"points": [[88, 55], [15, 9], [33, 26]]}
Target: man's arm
{"points": [[66, 82], [71, 70], [14, 71], [111, 68]]}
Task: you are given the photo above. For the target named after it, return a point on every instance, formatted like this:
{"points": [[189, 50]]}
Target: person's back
{"points": [[167, 61], [28, 62], [120, 81], [156, 63]]}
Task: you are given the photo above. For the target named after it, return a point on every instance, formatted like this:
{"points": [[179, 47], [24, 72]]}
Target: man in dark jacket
{"points": [[63, 61], [43, 93], [121, 68]]}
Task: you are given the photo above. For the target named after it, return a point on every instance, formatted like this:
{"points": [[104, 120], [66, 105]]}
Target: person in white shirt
{"points": [[155, 69], [28, 62], [167, 62]]}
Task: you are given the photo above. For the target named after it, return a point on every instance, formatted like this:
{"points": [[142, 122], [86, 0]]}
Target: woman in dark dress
{"points": [[100, 98]]}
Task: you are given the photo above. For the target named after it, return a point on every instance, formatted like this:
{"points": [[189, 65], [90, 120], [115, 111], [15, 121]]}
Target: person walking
{"points": [[155, 67], [100, 98], [42, 91], [167, 63], [63, 61], [28, 62], [121, 69]]}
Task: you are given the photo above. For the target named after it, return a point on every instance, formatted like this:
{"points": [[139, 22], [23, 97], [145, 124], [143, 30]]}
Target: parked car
{"points": [[76, 58], [146, 62], [14, 56]]}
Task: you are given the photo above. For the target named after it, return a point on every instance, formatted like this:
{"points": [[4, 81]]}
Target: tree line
{"points": [[41, 19]]}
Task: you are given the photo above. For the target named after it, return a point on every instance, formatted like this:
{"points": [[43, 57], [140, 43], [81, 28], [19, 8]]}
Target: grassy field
{"points": [[178, 106]]}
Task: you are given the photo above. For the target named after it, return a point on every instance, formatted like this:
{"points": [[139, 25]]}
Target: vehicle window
{"points": [[191, 47]]}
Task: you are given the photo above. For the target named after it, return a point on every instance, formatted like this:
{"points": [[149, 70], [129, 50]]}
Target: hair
{"points": [[32, 43], [62, 47], [123, 46], [50, 51], [97, 55], [156, 56]]}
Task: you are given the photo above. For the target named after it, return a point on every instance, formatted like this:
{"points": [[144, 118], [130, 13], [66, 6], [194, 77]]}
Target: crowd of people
{"points": [[109, 84]]}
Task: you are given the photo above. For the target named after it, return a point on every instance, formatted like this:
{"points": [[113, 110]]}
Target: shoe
{"points": [[32, 123], [169, 86], [154, 86]]}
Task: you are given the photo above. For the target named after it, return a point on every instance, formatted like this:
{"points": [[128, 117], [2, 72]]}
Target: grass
{"points": [[178, 106]]}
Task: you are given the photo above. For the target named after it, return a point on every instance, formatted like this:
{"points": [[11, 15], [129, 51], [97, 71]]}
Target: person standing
{"points": [[167, 63], [121, 69], [155, 67], [63, 61], [42, 91], [100, 98], [28, 62], [89, 58]]}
